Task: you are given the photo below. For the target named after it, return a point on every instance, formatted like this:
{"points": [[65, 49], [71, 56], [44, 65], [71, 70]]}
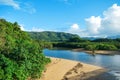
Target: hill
{"points": [[51, 36]]}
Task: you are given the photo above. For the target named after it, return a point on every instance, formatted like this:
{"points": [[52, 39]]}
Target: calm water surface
{"points": [[111, 62]]}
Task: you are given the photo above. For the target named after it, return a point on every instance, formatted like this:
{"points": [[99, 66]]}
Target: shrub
{"points": [[20, 56]]}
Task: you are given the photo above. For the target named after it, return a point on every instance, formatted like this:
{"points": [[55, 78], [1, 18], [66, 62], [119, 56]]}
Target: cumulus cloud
{"points": [[10, 3], [75, 29], [94, 24], [104, 26], [110, 24], [107, 25]]}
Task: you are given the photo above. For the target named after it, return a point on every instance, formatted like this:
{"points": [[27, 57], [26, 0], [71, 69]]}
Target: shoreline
{"points": [[63, 69], [102, 52]]}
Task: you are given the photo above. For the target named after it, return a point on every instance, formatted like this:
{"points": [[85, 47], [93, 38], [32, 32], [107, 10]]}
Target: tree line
{"points": [[97, 44]]}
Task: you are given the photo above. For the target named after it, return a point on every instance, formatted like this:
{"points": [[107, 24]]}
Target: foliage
{"points": [[102, 40], [106, 47], [69, 44], [51, 36], [90, 45], [20, 56], [44, 44]]}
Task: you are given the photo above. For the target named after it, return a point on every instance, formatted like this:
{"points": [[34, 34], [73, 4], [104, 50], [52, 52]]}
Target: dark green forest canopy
{"points": [[98, 44], [52, 36], [20, 56]]}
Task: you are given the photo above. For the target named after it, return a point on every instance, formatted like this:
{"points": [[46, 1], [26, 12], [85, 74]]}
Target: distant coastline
{"points": [[103, 52]]}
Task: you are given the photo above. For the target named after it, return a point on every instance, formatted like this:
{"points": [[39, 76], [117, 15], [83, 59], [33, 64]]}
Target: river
{"points": [[110, 62]]}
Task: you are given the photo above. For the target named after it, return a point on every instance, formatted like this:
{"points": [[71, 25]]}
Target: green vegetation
{"points": [[20, 57], [59, 39], [44, 44], [98, 44], [51, 36]]}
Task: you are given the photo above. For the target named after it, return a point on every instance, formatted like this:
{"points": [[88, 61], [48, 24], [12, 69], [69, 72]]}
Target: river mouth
{"points": [[110, 62]]}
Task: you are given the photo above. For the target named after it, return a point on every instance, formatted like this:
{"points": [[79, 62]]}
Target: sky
{"points": [[98, 18]]}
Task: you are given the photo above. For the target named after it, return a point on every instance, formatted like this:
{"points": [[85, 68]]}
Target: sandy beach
{"points": [[62, 69]]}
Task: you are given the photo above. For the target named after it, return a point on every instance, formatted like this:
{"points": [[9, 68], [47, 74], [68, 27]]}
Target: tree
{"points": [[20, 56], [91, 47], [77, 39], [106, 47]]}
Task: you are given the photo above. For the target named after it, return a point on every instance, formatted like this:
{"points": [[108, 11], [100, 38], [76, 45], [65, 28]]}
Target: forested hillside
{"points": [[20, 57], [51, 36]]}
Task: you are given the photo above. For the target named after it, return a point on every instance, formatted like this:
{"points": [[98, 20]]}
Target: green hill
{"points": [[51, 36]]}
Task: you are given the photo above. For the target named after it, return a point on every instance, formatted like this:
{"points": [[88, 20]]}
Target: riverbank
{"points": [[62, 69], [103, 52]]}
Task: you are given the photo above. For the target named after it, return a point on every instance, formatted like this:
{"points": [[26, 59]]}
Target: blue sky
{"points": [[82, 17]]}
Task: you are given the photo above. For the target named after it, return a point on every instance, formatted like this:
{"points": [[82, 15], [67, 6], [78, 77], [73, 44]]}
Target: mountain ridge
{"points": [[51, 36]]}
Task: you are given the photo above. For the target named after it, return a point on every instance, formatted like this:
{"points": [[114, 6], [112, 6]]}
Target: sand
{"points": [[104, 52], [59, 69]]}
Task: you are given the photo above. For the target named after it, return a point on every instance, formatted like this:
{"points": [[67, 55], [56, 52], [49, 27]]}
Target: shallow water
{"points": [[111, 62]]}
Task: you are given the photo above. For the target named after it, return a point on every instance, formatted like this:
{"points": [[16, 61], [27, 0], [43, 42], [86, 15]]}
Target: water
{"points": [[111, 62]]}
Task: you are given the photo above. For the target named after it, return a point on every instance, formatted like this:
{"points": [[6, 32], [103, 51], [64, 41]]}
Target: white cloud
{"points": [[33, 29], [10, 3], [75, 29], [109, 24], [94, 24], [22, 27], [25, 7]]}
